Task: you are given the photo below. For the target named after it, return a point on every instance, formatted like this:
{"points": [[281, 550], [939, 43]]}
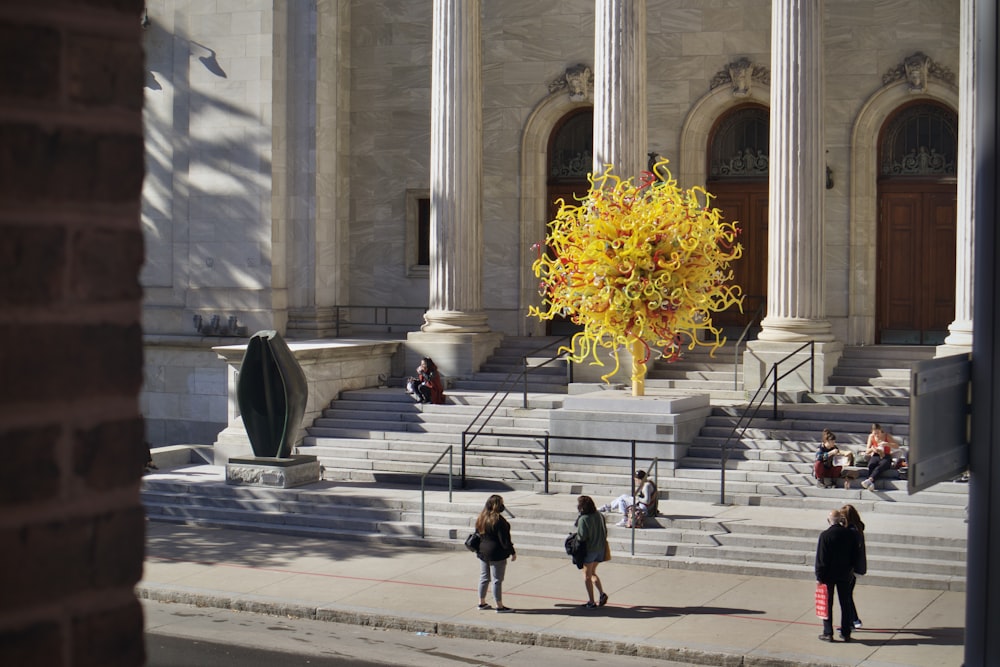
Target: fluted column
{"points": [[456, 171], [620, 87], [795, 306], [960, 331]]}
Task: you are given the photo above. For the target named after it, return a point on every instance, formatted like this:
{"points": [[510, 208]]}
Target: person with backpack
{"points": [[593, 531], [643, 502]]}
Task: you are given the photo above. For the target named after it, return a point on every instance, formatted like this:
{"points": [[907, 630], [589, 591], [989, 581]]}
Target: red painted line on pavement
{"points": [[400, 582]]}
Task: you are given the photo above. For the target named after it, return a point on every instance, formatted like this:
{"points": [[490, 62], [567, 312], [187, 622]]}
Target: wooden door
{"points": [[568, 191], [915, 300], [746, 203]]}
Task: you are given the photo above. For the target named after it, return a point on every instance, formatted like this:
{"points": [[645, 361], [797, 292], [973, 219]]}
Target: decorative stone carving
{"points": [[741, 74], [577, 80], [746, 162], [916, 69]]}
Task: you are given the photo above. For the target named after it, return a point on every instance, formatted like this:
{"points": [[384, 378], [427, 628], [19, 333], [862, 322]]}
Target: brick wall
{"points": [[71, 169]]}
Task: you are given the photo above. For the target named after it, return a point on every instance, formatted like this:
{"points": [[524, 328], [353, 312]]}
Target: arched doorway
{"points": [[570, 160], [915, 298], [737, 176]]}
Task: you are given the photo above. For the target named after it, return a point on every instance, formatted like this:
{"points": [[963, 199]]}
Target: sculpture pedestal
{"points": [[294, 471]]}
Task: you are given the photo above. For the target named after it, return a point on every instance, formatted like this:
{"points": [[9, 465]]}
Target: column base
{"points": [[959, 339], [760, 356], [454, 321], [795, 330]]}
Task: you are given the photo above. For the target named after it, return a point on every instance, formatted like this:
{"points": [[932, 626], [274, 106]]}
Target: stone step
{"points": [[691, 543]]}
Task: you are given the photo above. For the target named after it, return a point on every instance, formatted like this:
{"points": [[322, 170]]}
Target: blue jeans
{"points": [[496, 570]]}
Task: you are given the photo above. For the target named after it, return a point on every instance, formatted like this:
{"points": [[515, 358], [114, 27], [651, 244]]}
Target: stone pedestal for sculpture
{"points": [[286, 473], [272, 392]]}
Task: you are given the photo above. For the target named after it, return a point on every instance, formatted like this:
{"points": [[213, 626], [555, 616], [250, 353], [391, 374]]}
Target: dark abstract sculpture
{"points": [[271, 391]]}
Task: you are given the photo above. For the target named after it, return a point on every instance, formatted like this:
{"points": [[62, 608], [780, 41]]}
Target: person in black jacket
{"points": [[495, 547], [836, 555]]}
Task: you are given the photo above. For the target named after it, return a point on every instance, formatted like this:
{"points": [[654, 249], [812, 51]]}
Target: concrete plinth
{"points": [[661, 426], [760, 357], [457, 355], [287, 473]]}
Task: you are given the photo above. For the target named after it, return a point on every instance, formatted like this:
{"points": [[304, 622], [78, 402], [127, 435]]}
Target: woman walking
{"points": [[857, 527], [593, 531], [495, 547]]}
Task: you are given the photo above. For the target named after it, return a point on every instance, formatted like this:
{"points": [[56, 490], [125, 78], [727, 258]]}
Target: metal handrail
{"points": [[510, 381], [739, 343], [546, 438], [423, 478], [752, 410]]}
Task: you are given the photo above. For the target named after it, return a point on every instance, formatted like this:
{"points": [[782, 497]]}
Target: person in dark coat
{"points": [[836, 555], [427, 387], [495, 547]]}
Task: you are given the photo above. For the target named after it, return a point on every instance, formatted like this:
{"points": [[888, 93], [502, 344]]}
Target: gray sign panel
{"points": [[940, 395]]}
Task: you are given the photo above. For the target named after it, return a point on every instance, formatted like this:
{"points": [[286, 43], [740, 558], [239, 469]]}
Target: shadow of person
{"points": [[909, 637], [635, 612]]}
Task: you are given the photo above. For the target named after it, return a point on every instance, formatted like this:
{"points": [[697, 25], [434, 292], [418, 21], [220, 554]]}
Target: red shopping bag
{"points": [[822, 600]]}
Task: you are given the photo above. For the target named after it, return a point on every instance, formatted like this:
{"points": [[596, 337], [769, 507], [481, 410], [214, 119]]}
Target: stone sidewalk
{"points": [[662, 613]]}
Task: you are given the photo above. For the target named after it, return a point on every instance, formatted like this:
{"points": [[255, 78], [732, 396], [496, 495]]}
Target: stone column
{"points": [[455, 325], [795, 310], [456, 171], [795, 304], [620, 87], [620, 134], [959, 340]]}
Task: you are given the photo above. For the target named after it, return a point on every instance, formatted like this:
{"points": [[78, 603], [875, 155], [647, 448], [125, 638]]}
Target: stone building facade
{"points": [[290, 156]]}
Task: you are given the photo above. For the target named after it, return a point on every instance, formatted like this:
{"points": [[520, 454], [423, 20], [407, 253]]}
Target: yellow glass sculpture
{"points": [[639, 267]]}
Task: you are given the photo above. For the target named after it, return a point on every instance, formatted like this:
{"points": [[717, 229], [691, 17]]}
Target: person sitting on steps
{"points": [[645, 498], [879, 453], [823, 468]]}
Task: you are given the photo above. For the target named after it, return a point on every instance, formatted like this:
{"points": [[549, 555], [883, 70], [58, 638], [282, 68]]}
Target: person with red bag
{"points": [[836, 555]]}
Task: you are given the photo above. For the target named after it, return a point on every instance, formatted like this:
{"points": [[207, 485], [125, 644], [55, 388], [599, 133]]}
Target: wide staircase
{"points": [[379, 438]]}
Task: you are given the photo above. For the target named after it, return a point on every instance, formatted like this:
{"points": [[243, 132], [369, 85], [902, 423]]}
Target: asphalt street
{"points": [[179, 635]]}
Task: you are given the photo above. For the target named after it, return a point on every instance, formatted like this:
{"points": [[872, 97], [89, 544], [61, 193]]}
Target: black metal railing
{"points": [[423, 479], [746, 332], [759, 397], [544, 441], [513, 377]]}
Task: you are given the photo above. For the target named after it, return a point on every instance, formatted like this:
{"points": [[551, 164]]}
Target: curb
{"points": [[424, 624]]}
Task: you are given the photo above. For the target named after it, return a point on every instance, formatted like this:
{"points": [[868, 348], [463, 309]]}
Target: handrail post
{"points": [[451, 470], [812, 366], [774, 389], [632, 473], [524, 401], [546, 459], [463, 458], [722, 485]]}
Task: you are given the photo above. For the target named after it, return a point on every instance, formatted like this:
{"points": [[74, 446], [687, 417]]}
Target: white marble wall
{"points": [[207, 196], [184, 397]]}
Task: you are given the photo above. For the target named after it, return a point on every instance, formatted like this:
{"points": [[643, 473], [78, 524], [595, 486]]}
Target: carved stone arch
{"points": [[864, 197], [534, 207], [692, 167]]}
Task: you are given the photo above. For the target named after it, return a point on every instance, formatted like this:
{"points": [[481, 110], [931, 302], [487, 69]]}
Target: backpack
{"points": [[635, 517]]}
